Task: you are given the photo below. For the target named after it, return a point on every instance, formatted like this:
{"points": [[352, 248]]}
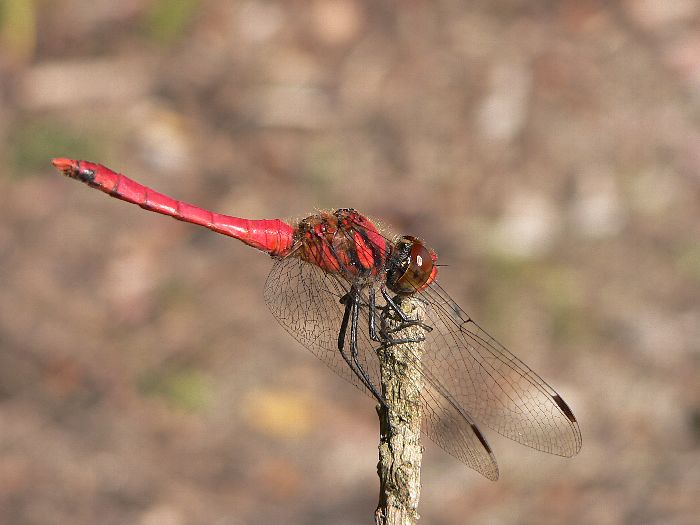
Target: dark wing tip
{"points": [[574, 424], [490, 473], [564, 407], [481, 438]]}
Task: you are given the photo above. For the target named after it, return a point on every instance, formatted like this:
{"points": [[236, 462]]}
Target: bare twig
{"points": [[400, 449]]}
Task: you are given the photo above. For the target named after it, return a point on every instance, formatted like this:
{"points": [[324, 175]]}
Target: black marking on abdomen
{"points": [[86, 175]]}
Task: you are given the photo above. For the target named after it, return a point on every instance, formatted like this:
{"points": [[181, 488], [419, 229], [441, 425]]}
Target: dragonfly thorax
{"points": [[343, 242]]}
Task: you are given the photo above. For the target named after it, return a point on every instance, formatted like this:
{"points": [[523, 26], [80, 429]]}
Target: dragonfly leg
{"points": [[372, 309], [351, 300], [383, 335], [344, 300], [354, 353], [405, 319]]}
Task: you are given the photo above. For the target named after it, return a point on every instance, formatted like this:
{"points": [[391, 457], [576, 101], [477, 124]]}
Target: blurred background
{"points": [[549, 151]]}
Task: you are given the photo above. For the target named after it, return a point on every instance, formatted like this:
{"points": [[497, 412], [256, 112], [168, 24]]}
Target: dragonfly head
{"points": [[411, 266]]}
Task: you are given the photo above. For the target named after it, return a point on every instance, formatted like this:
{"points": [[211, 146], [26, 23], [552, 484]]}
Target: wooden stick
{"points": [[400, 450]]}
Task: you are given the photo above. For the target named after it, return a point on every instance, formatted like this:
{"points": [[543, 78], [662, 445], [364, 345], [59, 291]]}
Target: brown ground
{"points": [[549, 151]]}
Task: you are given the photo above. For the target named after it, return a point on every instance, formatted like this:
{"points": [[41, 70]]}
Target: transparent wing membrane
{"points": [[469, 378], [306, 302]]}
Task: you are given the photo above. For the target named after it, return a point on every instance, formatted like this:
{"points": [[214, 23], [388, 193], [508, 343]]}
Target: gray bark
{"points": [[400, 450]]}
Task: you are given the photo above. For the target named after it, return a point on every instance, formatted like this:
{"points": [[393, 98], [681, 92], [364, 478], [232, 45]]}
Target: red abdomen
{"points": [[269, 235]]}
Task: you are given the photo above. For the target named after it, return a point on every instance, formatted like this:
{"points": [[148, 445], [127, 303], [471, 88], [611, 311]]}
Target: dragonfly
{"points": [[334, 274]]}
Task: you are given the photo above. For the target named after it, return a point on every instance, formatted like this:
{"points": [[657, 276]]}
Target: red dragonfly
{"points": [[334, 273]]}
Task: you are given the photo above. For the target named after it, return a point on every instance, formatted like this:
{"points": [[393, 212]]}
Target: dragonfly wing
{"points": [[487, 382], [493, 385], [306, 302], [453, 429], [444, 421]]}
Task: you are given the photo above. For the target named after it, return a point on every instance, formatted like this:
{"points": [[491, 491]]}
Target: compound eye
{"points": [[421, 260], [419, 270]]}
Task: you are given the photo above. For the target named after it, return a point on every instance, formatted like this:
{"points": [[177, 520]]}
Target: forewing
{"points": [[491, 384]]}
